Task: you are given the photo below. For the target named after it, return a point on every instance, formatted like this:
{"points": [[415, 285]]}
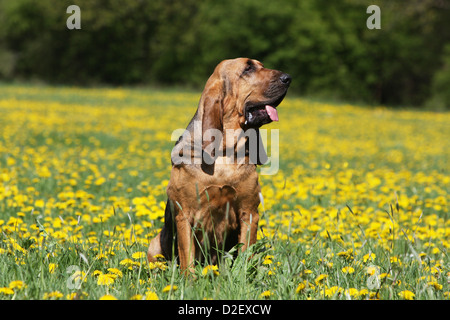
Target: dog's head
{"points": [[242, 93]]}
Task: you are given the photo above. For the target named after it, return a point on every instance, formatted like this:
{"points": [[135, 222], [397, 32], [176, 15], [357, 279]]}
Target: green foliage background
{"points": [[324, 45]]}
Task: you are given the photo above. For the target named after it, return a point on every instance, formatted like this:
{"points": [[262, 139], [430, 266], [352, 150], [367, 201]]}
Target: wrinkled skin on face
{"points": [[251, 92]]}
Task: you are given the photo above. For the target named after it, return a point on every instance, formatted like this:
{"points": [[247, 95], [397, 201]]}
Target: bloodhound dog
{"points": [[213, 201]]}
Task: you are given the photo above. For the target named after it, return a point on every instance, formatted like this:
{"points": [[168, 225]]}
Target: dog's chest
{"points": [[229, 183], [232, 173]]}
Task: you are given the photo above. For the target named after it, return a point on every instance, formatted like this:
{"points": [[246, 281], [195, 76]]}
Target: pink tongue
{"points": [[272, 112]]}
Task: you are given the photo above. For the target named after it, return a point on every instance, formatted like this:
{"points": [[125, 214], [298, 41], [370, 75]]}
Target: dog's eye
{"points": [[249, 67]]}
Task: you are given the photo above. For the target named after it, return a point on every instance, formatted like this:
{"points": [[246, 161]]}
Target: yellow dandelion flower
{"points": [[52, 267], [395, 261], [170, 288], [348, 255], [348, 270], [363, 292], [101, 256], [39, 203], [53, 295], [268, 260], [108, 233], [17, 284], [300, 287], [116, 272], [332, 291], [96, 273], [77, 295], [272, 272], [150, 295], [383, 275], [100, 181], [138, 255], [436, 251], [435, 285], [127, 262], [108, 297], [320, 278], [372, 270], [71, 296], [105, 279], [210, 270], [157, 265], [369, 256], [266, 294], [159, 257], [6, 291], [147, 224], [374, 295], [406, 294], [352, 292]]}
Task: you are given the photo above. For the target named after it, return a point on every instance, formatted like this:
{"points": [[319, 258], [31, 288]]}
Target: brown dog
{"points": [[213, 202]]}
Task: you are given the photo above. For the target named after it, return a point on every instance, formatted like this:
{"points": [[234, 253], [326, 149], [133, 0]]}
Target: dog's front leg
{"points": [[186, 247], [248, 228]]}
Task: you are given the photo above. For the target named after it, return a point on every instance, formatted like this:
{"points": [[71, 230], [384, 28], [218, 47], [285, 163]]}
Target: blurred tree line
{"points": [[325, 45]]}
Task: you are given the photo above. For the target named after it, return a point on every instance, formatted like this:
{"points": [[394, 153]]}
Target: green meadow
{"points": [[357, 210]]}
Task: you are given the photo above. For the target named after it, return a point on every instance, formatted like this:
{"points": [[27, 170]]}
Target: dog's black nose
{"points": [[285, 78]]}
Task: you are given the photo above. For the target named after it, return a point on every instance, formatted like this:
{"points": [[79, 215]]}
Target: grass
{"points": [[358, 209]]}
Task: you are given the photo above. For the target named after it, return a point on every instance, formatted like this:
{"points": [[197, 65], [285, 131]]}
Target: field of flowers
{"points": [[358, 209]]}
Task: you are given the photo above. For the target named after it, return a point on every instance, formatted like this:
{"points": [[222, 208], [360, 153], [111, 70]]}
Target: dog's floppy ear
{"points": [[262, 155], [211, 105], [256, 152]]}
